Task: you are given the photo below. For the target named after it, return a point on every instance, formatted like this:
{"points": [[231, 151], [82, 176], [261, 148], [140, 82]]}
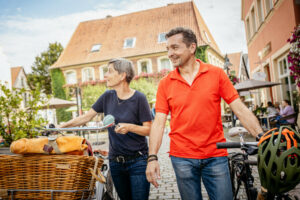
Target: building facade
{"points": [[19, 81], [139, 37], [268, 25]]}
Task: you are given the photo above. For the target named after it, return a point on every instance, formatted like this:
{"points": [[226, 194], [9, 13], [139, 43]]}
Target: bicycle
{"points": [[105, 191], [239, 164], [240, 170]]}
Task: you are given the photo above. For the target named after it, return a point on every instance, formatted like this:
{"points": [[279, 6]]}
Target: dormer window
{"points": [[129, 43], [96, 47], [162, 37]]}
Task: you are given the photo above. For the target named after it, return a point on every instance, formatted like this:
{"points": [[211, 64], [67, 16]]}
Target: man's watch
{"points": [[259, 136]]}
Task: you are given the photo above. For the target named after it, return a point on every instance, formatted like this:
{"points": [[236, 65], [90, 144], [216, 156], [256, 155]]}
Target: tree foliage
{"points": [[90, 94], [15, 122], [58, 91], [40, 76], [145, 86], [201, 53]]}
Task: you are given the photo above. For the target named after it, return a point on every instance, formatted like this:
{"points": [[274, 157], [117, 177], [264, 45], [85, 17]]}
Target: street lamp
{"points": [[227, 64]]}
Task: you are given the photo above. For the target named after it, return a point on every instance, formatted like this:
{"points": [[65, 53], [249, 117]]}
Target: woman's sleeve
{"points": [[99, 104], [144, 109]]}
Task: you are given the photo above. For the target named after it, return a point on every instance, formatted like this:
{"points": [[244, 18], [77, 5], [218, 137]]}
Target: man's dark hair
{"points": [[270, 104], [189, 36]]}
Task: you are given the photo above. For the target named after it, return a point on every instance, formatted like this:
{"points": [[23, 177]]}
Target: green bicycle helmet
{"points": [[279, 160]]}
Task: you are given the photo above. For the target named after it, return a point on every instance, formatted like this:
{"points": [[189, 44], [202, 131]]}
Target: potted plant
{"points": [[294, 55], [16, 121]]}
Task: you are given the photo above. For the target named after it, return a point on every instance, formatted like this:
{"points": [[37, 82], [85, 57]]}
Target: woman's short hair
{"points": [[122, 65]]}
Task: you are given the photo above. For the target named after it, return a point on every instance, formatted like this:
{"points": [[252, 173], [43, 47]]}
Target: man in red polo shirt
{"points": [[192, 93]]}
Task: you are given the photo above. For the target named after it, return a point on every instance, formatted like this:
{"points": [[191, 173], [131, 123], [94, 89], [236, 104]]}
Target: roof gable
{"points": [[14, 71], [235, 60], [145, 26], [17, 73]]}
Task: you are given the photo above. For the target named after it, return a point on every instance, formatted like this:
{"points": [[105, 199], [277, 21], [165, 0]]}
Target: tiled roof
{"points": [[14, 74], [235, 60], [145, 26]]}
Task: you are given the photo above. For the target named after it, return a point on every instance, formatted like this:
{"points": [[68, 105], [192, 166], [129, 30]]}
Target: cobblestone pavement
{"points": [[168, 186]]}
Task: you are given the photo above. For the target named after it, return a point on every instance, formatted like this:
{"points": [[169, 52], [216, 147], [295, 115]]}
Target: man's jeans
{"points": [[213, 171], [130, 178]]}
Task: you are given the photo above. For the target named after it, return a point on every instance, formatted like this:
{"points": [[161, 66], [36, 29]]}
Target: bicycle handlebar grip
{"points": [[225, 145], [251, 162]]}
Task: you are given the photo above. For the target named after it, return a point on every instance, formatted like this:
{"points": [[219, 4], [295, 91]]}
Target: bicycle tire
{"points": [[110, 191]]}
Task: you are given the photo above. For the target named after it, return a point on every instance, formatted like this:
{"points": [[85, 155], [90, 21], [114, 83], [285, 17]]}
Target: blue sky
{"points": [[28, 26]]}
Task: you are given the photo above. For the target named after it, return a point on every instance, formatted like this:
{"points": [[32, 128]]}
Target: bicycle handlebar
{"points": [[226, 145]]}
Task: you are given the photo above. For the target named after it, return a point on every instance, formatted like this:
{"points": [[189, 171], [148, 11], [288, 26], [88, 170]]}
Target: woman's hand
{"points": [[122, 128]]}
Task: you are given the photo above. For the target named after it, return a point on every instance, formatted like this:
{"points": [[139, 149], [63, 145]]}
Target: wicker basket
{"points": [[38, 173]]}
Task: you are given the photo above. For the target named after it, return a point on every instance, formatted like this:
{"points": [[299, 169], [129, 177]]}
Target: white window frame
{"points": [[253, 20], [248, 28], [83, 75], [209, 58], [158, 39], [101, 73], [149, 67], [270, 4], [96, 47], [282, 76], [159, 67], [133, 43], [72, 71], [260, 11]]}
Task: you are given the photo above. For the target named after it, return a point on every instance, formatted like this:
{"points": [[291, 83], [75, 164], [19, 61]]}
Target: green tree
{"points": [[201, 53], [40, 76], [16, 122], [90, 94], [147, 87], [58, 81]]}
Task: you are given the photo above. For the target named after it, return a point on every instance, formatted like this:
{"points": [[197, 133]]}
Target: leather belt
{"points": [[123, 159]]}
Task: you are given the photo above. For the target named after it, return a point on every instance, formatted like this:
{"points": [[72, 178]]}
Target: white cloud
{"points": [[23, 38], [4, 67]]}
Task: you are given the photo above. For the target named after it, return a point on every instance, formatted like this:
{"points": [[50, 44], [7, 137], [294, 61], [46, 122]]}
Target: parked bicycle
{"points": [[105, 191], [278, 163], [240, 165]]}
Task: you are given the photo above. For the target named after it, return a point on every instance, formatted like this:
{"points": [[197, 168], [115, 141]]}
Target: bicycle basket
{"points": [[35, 176]]}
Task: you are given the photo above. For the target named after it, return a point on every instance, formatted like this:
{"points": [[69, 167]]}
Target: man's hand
{"points": [[122, 128], [153, 172]]}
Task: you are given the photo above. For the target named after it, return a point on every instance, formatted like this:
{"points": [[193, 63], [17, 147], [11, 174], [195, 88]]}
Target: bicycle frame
{"points": [[239, 165]]}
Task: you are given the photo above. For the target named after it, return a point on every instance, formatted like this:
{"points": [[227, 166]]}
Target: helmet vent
{"points": [[292, 160], [274, 169], [264, 146], [282, 176], [278, 152], [285, 162], [267, 158]]}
